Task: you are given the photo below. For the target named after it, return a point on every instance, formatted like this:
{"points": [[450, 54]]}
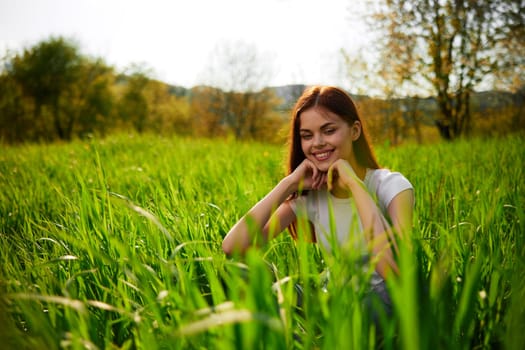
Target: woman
{"points": [[333, 171]]}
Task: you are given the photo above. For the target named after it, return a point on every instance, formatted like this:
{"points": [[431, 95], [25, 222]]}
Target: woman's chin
{"points": [[323, 166]]}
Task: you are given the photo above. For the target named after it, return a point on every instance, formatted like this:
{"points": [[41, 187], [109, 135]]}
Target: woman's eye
{"points": [[306, 136], [329, 131]]}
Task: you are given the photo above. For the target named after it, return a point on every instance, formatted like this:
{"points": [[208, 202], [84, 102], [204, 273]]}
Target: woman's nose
{"points": [[318, 140]]}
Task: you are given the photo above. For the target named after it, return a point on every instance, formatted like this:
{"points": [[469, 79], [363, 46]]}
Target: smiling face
{"points": [[325, 137], [343, 137]]}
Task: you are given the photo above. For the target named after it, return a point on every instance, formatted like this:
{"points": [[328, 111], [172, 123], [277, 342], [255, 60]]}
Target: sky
{"points": [[300, 39]]}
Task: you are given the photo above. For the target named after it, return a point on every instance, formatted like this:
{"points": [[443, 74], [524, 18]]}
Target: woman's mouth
{"points": [[322, 156]]}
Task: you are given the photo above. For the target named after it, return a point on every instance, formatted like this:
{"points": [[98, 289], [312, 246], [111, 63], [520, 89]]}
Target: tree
{"points": [[457, 46], [90, 101], [52, 91], [206, 110], [168, 113], [391, 84], [14, 122], [237, 100], [46, 72], [134, 106]]}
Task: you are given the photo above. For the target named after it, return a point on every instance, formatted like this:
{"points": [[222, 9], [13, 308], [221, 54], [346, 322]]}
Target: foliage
{"points": [[52, 91], [115, 243], [244, 115], [133, 105], [454, 47]]}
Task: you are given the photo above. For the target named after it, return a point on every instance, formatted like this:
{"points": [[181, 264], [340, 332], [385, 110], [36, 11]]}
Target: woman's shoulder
{"points": [[386, 184], [303, 199], [379, 176]]}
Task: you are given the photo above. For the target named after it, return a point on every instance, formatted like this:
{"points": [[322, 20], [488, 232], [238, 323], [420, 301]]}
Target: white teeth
{"points": [[322, 156]]}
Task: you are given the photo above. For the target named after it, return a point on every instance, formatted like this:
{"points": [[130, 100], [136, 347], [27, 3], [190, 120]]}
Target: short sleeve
{"points": [[298, 204], [386, 184]]}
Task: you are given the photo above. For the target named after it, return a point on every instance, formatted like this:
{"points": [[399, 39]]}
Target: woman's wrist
{"points": [[351, 179], [289, 185], [354, 184]]}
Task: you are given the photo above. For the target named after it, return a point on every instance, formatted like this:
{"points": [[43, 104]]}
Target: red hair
{"points": [[339, 102]]}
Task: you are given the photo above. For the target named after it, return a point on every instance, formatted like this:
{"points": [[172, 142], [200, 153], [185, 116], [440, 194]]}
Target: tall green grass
{"points": [[116, 244]]}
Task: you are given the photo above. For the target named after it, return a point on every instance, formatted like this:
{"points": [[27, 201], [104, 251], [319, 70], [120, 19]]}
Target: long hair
{"points": [[339, 102]]}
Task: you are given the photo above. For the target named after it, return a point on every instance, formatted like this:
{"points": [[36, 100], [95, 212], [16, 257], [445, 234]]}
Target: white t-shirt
{"points": [[383, 186]]}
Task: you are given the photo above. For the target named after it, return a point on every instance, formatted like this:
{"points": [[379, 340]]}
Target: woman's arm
{"points": [[259, 217], [377, 230], [401, 211]]}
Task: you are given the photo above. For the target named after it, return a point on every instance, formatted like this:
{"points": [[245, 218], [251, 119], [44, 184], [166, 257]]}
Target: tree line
{"points": [[448, 49], [432, 60], [51, 91]]}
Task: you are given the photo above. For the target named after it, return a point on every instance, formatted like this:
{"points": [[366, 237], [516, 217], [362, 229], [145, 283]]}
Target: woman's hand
{"points": [[307, 177], [341, 176], [343, 179]]}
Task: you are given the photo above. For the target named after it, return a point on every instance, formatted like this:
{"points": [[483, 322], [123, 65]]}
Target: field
{"points": [[116, 243]]}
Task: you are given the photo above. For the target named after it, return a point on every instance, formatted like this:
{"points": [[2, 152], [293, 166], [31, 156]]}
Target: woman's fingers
{"points": [[310, 176], [330, 178], [319, 181], [313, 169], [323, 180], [316, 180]]}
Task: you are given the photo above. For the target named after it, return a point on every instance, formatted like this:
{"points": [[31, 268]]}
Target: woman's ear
{"points": [[356, 130]]}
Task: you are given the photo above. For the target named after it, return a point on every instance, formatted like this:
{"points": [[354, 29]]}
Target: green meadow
{"points": [[116, 244]]}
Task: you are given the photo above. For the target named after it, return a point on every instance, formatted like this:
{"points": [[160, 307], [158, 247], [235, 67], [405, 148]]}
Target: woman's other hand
{"points": [[341, 176], [307, 177]]}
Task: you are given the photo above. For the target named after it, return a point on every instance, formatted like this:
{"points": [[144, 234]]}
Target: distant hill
{"points": [[481, 101]]}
